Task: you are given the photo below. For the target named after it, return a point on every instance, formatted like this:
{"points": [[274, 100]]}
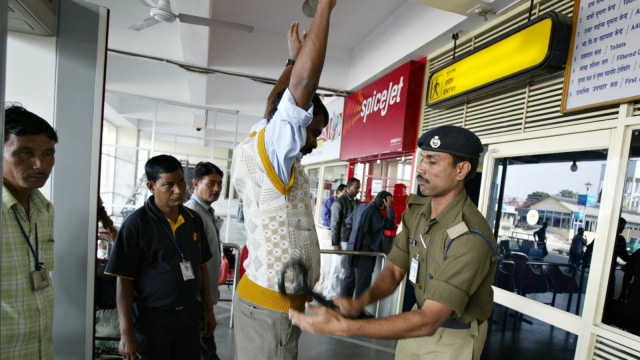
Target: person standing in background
{"points": [[540, 236], [207, 185], [326, 205], [160, 258], [27, 297], [341, 209], [324, 238], [577, 248], [366, 235], [612, 313]]}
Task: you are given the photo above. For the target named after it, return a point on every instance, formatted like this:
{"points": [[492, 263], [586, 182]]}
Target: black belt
{"points": [[452, 323]]}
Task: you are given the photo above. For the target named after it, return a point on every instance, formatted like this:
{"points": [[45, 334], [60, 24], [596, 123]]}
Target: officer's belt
{"points": [[452, 323]]}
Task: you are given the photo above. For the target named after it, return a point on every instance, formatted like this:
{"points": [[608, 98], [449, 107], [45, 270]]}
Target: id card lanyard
{"points": [[35, 251], [39, 278], [185, 266]]}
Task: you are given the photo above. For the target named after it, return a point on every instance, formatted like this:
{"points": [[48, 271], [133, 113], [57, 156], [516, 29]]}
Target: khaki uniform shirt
{"points": [[456, 265]]}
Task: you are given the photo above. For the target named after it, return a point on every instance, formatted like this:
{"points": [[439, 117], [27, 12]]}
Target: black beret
{"points": [[453, 140]]}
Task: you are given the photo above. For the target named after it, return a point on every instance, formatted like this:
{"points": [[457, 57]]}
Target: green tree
{"points": [[569, 194], [538, 195]]}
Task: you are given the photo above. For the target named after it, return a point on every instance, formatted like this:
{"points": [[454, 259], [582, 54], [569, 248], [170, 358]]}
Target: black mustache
{"points": [[422, 178]]}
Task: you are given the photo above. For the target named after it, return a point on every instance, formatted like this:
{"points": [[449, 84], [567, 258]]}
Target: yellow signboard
{"points": [[539, 44]]}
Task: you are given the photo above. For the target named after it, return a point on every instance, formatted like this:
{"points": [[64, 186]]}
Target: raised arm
{"points": [[305, 74], [295, 43]]}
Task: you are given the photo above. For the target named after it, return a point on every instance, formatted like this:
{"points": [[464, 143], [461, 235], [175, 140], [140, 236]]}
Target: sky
{"points": [[551, 178]]}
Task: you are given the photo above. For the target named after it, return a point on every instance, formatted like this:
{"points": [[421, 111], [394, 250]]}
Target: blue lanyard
{"points": [[167, 228], [34, 252]]}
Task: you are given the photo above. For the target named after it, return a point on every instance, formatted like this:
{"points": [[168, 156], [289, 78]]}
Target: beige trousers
{"points": [[445, 344]]}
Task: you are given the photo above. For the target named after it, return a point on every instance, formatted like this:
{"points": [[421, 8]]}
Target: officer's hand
{"points": [[348, 306], [319, 320]]}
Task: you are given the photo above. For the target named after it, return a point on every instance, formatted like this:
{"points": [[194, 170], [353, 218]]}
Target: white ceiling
{"points": [[367, 38]]}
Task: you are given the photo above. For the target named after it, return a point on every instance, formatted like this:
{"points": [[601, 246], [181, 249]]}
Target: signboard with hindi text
{"points": [[603, 66]]}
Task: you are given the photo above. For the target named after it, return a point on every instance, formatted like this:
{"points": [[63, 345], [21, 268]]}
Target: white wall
{"points": [[35, 56]]}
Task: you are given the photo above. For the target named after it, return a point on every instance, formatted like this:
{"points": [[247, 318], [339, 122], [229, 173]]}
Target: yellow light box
{"points": [[540, 45]]}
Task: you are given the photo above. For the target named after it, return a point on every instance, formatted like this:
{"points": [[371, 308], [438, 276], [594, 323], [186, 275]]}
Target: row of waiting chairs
{"points": [[518, 273]]}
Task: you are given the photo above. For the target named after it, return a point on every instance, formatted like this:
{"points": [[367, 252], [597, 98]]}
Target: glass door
{"points": [[539, 195]]}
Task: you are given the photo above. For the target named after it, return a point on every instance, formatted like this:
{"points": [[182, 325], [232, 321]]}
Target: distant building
{"points": [[564, 216]]}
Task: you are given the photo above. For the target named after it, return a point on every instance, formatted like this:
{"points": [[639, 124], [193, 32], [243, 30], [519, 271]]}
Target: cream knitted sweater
{"points": [[278, 218]]}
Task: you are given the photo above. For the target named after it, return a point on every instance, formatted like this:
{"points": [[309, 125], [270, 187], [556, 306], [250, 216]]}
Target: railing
{"points": [[383, 256], [236, 271]]}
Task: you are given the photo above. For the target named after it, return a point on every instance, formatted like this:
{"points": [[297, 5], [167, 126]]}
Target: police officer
{"points": [[449, 252]]}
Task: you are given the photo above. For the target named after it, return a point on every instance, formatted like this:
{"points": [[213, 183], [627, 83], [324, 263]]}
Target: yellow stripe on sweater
{"points": [[268, 298], [268, 167]]}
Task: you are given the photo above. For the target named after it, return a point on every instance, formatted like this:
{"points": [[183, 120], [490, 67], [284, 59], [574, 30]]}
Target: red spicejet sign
{"points": [[383, 116]]}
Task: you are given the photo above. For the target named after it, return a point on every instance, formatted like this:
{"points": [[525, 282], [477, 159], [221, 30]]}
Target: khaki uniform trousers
{"points": [[445, 344]]}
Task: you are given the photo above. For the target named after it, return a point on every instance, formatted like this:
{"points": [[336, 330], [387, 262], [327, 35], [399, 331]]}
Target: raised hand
{"points": [[294, 40]]}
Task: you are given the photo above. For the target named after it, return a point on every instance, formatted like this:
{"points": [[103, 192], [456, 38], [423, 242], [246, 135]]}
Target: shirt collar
{"points": [[8, 200], [201, 202], [151, 207], [37, 201], [449, 216]]}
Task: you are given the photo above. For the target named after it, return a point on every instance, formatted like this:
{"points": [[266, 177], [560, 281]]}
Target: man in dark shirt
{"points": [[612, 313], [340, 230], [368, 225], [541, 238], [326, 205], [160, 258]]}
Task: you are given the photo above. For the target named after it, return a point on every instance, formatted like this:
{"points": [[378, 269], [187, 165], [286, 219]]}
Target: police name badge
{"points": [[39, 279], [187, 270]]}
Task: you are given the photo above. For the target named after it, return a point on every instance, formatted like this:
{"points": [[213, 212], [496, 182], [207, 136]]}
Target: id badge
{"points": [[413, 270], [39, 279], [187, 270]]}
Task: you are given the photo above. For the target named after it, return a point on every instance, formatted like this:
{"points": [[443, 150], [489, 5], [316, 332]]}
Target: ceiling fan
{"points": [[161, 12]]}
